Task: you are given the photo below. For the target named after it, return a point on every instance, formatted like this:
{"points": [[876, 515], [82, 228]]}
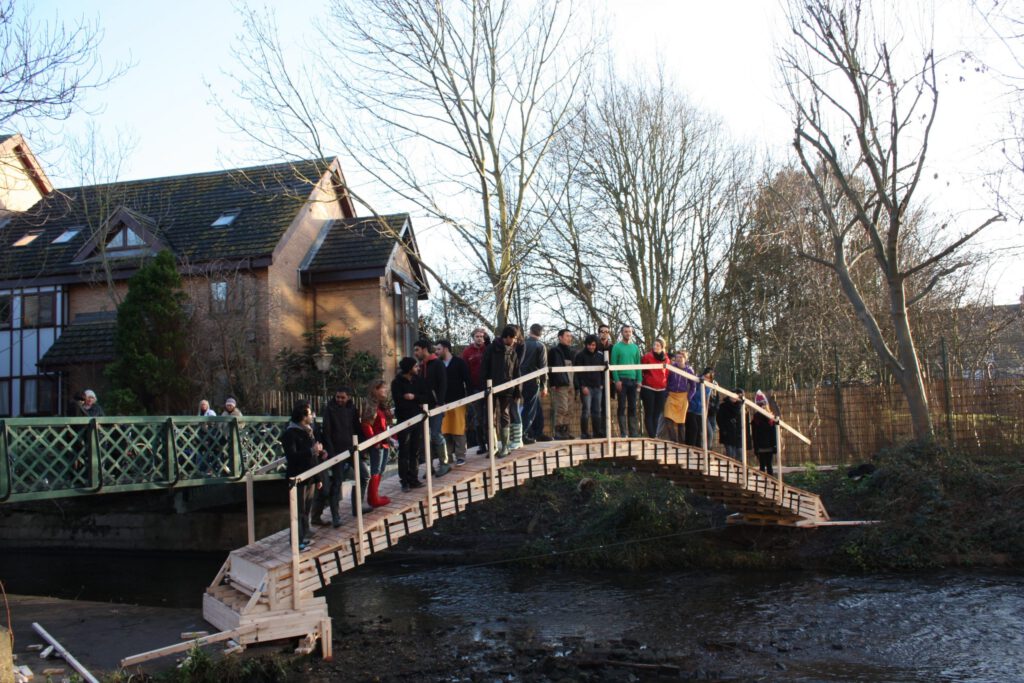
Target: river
{"points": [[948, 626]]}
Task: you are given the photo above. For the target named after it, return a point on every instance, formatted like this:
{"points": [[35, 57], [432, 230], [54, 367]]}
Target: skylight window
{"points": [[226, 219], [28, 238], [67, 235]]}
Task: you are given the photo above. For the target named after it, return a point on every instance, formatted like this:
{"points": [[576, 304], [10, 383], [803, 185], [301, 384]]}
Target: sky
{"points": [[721, 53]]}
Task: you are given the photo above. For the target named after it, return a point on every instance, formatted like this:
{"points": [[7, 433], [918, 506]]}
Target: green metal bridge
{"points": [[53, 457]]}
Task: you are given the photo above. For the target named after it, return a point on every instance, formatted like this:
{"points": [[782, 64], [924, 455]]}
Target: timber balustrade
{"points": [[44, 458]]}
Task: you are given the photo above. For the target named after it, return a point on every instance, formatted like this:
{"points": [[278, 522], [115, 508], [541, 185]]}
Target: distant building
{"points": [[266, 253]]}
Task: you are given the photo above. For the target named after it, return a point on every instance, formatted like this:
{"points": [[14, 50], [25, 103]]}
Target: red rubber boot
{"points": [[373, 497]]}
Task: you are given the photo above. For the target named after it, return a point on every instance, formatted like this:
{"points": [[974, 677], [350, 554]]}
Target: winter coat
{"points": [[375, 421], [654, 379], [297, 442], [500, 366], [535, 357], [588, 379], [682, 385], [458, 383], [434, 376], [695, 405], [405, 408], [729, 420], [340, 425], [474, 356], [762, 434], [560, 356]]}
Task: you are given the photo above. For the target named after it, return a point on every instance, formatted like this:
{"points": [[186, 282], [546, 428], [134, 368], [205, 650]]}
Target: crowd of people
{"points": [[671, 404]]}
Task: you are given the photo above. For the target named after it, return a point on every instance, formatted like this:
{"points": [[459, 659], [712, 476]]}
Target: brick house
{"points": [[266, 253]]}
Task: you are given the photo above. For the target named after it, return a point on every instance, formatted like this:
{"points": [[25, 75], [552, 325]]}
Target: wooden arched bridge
{"points": [[266, 590]]}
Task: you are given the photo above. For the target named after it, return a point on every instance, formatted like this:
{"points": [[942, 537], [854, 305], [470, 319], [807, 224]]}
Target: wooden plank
{"points": [[183, 647]]}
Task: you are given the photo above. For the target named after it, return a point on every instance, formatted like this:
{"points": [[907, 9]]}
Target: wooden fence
{"points": [[851, 424]]}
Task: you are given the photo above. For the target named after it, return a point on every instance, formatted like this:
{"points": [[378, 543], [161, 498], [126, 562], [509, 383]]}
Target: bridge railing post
{"points": [[608, 402], [293, 524], [92, 436], [357, 497], [778, 456], [743, 442], [429, 459], [704, 425], [250, 512], [491, 445]]}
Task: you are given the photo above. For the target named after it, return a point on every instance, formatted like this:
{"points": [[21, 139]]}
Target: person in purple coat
{"points": [[677, 402]]}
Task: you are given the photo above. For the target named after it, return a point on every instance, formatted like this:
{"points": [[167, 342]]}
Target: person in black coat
{"points": [[340, 424], [501, 364], [762, 434], [408, 402], [453, 425], [434, 379], [730, 425], [302, 452], [591, 387]]}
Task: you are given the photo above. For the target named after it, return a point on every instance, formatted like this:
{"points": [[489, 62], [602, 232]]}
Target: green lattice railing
{"points": [[44, 458]]}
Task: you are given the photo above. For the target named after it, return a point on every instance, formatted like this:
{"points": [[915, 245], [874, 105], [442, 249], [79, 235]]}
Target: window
{"points": [[28, 238], [38, 310], [405, 320], [226, 219], [5, 398], [5, 311], [125, 239], [38, 396], [218, 297], [67, 235]]}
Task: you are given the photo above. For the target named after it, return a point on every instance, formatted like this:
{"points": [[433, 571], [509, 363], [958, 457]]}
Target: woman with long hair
{"points": [[374, 419], [678, 399]]}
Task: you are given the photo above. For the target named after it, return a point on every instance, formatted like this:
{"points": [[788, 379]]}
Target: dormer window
{"points": [[125, 238], [226, 219], [28, 238], [67, 235]]}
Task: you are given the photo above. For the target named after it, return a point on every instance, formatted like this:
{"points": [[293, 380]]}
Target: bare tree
{"points": [[861, 132], [451, 105], [45, 69], [642, 237]]}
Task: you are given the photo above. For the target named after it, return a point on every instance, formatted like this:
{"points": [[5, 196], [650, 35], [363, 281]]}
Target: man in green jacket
{"points": [[626, 352]]}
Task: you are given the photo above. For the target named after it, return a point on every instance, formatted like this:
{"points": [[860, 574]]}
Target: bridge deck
{"points": [[263, 570]]}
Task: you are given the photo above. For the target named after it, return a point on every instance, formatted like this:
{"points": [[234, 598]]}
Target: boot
{"points": [[515, 436], [584, 431], [634, 427], [622, 426], [318, 511], [359, 501], [376, 500], [505, 438]]}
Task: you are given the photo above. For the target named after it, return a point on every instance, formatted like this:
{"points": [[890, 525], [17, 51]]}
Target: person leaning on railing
{"points": [[302, 452], [678, 399]]}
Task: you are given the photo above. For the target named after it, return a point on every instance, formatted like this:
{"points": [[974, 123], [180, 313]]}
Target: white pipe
{"points": [[64, 654]]}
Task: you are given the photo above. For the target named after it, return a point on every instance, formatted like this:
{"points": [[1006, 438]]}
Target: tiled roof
{"points": [[89, 341], [181, 207], [358, 244]]}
